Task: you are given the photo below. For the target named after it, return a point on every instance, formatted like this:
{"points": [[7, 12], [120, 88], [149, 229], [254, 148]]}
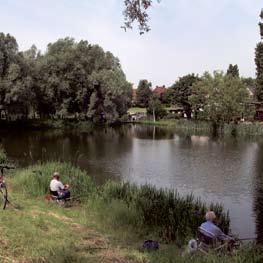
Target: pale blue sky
{"points": [[187, 36]]}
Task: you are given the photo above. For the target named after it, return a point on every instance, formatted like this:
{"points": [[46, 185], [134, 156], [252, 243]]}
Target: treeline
{"points": [[70, 79], [219, 97]]}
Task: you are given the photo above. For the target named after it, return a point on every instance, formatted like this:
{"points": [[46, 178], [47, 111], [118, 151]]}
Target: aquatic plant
{"points": [[175, 217]]}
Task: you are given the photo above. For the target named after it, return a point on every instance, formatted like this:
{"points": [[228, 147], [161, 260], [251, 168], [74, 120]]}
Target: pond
{"points": [[229, 170]]}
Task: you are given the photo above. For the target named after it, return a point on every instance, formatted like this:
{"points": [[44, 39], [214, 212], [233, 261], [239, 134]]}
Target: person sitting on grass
{"points": [[212, 231], [57, 189]]}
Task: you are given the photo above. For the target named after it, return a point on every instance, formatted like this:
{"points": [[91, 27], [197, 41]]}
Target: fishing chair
{"points": [[206, 242]]}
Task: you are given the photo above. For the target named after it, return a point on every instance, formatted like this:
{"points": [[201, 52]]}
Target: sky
{"points": [[187, 36]]}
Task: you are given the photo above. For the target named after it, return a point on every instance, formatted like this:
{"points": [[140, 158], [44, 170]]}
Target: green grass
{"points": [[108, 226], [137, 110]]}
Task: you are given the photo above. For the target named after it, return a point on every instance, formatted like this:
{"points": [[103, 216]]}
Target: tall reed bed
{"points": [[3, 157], [175, 217], [244, 129]]}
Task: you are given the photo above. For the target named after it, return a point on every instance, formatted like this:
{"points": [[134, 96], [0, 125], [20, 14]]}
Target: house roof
{"points": [[159, 90]]}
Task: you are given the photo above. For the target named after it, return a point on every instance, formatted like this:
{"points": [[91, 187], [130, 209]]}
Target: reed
{"points": [[3, 157], [175, 217]]}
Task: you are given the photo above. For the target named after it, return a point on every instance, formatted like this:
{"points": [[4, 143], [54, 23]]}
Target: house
{"points": [[259, 111], [160, 92], [134, 96]]}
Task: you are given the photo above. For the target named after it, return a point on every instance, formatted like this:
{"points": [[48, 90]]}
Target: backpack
{"points": [[150, 245]]}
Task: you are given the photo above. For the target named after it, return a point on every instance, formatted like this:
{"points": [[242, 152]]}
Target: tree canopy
{"points": [[221, 98], [70, 78], [143, 93], [181, 90], [259, 63], [233, 70]]}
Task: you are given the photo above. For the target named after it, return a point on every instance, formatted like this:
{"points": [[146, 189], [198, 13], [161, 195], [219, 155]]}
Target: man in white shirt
{"points": [[57, 188]]}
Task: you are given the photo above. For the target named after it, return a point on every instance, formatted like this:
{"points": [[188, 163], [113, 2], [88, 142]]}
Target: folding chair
{"points": [[207, 241]]}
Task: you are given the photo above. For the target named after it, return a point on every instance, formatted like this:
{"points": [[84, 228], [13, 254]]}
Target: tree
{"points": [[259, 63], [137, 10], [143, 93], [66, 77], [8, 52], [261, 24], [60, 82], [156, 108], [16, 96], [182, 90], [233, 70], [222, 98], [111, 96], [250, 84]]}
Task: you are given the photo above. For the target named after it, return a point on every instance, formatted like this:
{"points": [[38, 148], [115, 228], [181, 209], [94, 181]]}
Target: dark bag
{"points": [[150, 245]]}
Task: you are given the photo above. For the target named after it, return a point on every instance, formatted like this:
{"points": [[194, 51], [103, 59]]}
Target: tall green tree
{"points": [[16, 96], [156, 108], [233, 71], [143, 93], [61, 81], [181, 90], [259, 63], [221, 98], [67, 73], [111, 96]]}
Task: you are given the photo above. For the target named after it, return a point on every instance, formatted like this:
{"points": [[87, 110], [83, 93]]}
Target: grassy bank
{"points": [[109, 225]]}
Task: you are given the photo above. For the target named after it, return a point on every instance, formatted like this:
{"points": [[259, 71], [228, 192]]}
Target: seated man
{"points": [[212, 231], [57, 189]]}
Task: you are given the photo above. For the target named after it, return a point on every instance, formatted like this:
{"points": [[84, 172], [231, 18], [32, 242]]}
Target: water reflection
{"points": [[151, 132], [219, 170]]}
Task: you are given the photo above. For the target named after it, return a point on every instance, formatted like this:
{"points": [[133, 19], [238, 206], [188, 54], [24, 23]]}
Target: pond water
{"points": [[227, 170]]}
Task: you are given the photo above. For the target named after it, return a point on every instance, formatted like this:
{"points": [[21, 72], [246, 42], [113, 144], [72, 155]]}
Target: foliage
{"points": [[175, 217], [143, 93], [220, 97], [136, 10], [259, 63], [233, 71], [250, 83], [261, 24], [181, 90], [156, 108], [62, 81], [259, 71]]}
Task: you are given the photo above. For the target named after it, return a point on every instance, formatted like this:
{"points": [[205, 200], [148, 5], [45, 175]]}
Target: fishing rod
{"points": [[247, 238]]}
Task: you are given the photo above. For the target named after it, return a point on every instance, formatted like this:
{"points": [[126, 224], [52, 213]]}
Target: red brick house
{"points": [[134, 96], [160, 92]]}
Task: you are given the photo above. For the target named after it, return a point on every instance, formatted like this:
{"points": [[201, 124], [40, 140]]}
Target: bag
{"points": [[150, 245]]}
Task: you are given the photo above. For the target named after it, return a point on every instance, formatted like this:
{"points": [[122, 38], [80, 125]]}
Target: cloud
{"points": [[187, 36]]}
